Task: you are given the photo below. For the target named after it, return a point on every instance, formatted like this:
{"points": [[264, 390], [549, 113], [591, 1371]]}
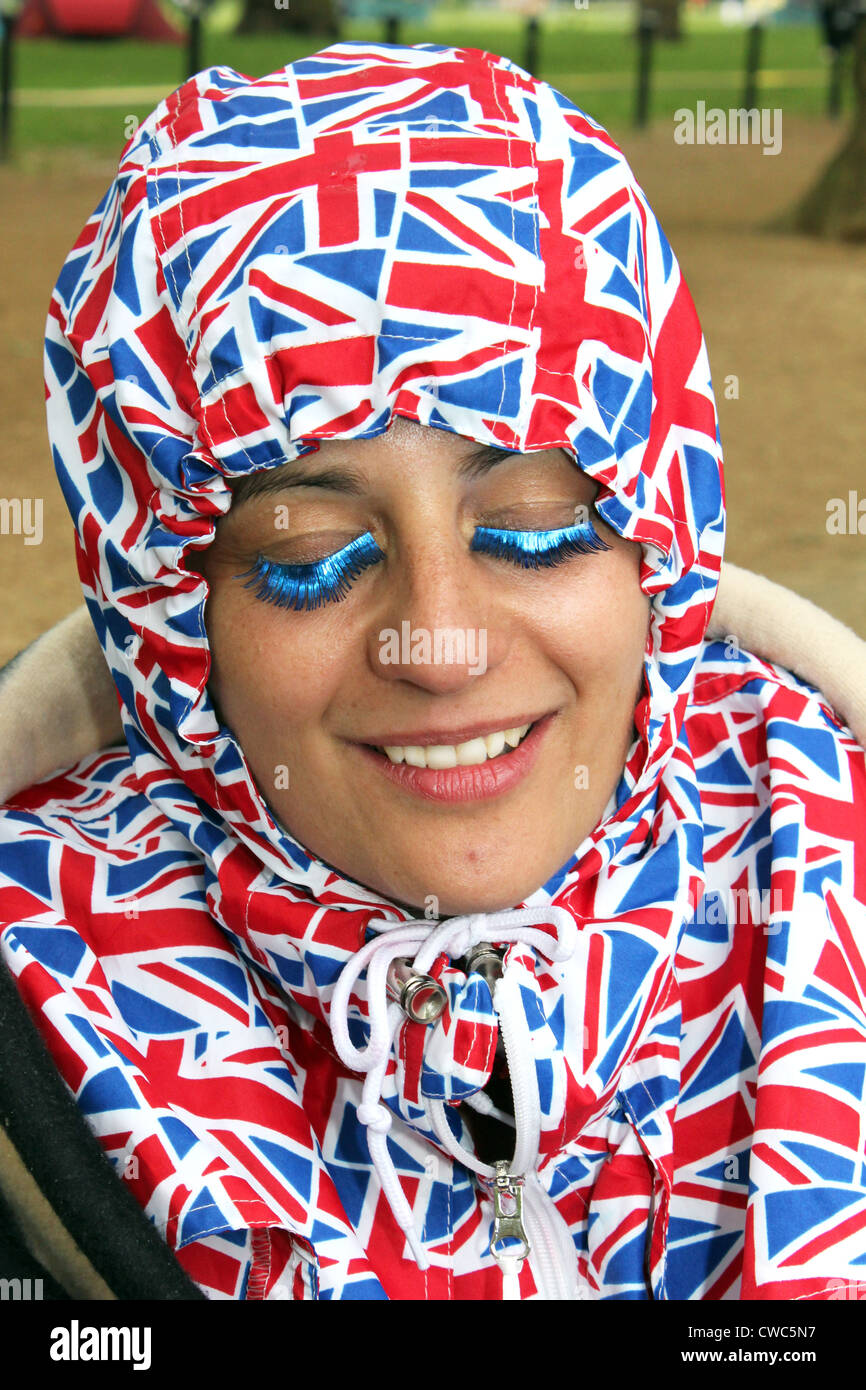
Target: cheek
{"points": [[272, 670], [597, 627]]}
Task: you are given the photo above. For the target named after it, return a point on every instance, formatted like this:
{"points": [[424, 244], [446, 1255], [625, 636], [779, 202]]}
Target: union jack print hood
{"points": [[428, 232]]}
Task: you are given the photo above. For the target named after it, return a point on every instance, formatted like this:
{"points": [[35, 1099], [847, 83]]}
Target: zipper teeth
{"points": [[524, 1089], [527, 1120], [546, 1244]]}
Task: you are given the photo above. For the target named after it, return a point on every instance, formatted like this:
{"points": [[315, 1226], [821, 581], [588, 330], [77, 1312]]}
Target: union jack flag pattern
{"points": [[429, 232]]}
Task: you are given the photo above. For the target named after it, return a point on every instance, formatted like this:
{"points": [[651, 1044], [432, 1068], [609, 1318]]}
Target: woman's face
{"points": [[435, 651]]}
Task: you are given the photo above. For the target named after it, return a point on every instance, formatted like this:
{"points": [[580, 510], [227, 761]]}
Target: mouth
{"points": [[486, 764], [471, 752]]}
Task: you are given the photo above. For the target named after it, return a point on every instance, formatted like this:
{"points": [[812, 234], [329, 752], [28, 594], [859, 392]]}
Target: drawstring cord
{"points": [[454, 938]]}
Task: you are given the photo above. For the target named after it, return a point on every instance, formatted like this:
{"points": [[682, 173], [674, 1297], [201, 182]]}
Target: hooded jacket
{"points": [[431, 233]]}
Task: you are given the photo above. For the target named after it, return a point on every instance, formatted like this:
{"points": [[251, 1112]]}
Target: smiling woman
{"points": [[459, 920], [428, 748]]}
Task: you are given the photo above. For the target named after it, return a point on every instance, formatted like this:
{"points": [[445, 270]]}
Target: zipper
{"points": [[539, 1224], [508, 1213], [516, 1041], [555, 1254], [522, 1210], [506, 1190]]}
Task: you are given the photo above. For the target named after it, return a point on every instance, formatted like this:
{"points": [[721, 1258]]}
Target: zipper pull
{"points": [[508, 1215]]}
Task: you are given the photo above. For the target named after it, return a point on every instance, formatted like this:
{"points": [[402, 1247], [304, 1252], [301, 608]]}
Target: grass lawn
{"points": [[588, 54]]}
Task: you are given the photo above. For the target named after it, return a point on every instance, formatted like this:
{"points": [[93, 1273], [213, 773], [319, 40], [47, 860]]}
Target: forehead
{"points": [[351, 465]]}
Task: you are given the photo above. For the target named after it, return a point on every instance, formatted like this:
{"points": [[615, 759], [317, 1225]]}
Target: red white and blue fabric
{"points": [[429, 232]]}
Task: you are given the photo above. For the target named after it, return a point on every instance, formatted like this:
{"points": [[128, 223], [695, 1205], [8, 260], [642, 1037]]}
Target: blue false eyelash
{"points": [[537, 549], [329, 580], [310, 586]]}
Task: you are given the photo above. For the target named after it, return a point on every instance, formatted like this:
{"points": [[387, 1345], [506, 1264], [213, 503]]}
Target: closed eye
{"points": [[311, 585], [329, 580], [538, 549]]}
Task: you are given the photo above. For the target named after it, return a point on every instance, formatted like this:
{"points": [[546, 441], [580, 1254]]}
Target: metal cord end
{"points": [[420, 997], [484, 960]]}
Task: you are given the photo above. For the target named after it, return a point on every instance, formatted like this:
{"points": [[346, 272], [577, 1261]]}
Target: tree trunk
{"points": [[300, 16], [836, 205], [668, 12]]}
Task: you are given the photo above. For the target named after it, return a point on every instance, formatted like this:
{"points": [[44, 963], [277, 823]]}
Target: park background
{"points": [[783, 309]]}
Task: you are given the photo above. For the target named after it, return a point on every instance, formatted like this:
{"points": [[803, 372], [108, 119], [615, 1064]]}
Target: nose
{"points": [[441, 627]]}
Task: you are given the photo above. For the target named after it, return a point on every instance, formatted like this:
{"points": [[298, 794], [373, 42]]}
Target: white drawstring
{"points": [[455, 938], [510, 1278], [481, 1102]]}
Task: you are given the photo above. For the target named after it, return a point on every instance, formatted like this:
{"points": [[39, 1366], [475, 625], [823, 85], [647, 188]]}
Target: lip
{"points": [[437, 737], [461, 784]]}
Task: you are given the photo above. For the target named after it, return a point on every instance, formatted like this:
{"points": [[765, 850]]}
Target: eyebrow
{"points": [[347, 480]]}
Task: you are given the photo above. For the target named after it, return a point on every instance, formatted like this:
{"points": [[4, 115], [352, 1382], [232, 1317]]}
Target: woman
{"points": [[460, 922]]}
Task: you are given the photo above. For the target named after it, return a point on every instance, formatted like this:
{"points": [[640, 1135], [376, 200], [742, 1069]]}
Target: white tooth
{"points": [[494, 744], [441, 755], [471, 753], [512, 737], [394, 753], [414, 755]]}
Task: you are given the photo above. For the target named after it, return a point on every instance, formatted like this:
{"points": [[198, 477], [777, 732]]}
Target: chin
{"points": [[454, 875], [464, 895]]}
